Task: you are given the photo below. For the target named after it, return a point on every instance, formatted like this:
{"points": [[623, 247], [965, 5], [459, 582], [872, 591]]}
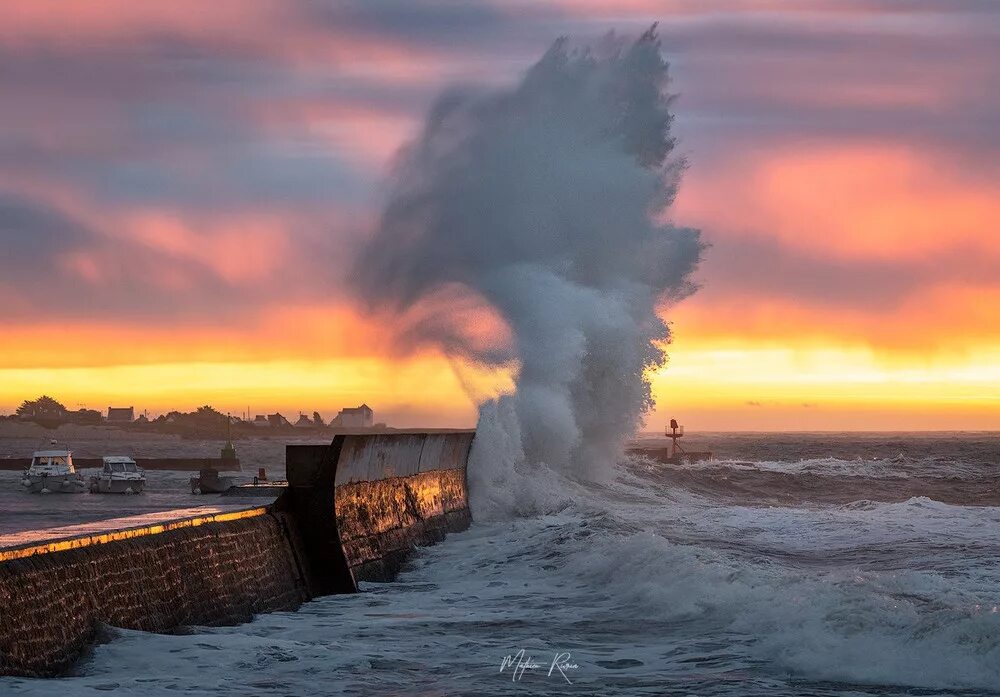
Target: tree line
{"points": [[47, 411]]}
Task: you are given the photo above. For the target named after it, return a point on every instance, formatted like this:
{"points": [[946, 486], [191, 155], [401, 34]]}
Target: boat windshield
{"points": [[120, 467], [50, 461]]}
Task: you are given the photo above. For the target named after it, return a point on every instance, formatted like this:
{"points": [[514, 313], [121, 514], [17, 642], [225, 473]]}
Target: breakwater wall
{"points": [[353, 510], [199, 567], [391, 492], [185, 464]]}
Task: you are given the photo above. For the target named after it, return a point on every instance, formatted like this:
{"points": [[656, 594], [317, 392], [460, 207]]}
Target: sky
{"points": [[183, 187]]}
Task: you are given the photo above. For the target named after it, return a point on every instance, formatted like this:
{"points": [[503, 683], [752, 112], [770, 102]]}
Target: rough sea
{"points": [[793, 564]]}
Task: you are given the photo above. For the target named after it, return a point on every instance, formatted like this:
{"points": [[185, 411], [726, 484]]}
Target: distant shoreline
{"points": [[14, 429]]}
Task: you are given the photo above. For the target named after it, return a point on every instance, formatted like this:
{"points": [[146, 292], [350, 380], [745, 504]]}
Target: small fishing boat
{"points": [[120, 475], [209, 481], [52, 472]]}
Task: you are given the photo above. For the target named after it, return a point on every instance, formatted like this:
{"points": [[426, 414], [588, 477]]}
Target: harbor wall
{"points": [[391, 492], [212, 568], [353, 510]]}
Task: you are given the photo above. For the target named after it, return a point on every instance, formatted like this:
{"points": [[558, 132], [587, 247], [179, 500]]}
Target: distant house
{"points": [[260, 420], [355, 417], [277, 421], [121, 415], [304, 422]]}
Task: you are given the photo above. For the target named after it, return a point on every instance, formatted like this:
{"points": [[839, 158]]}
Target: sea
{"points": [[791, 564]]}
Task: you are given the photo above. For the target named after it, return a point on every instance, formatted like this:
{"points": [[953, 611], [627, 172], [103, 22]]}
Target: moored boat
{"points": [[52, 472], [119, 475], [209, 481]]}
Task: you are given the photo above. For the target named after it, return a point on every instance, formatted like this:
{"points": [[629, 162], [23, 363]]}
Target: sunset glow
{"points": [[193, 203]]}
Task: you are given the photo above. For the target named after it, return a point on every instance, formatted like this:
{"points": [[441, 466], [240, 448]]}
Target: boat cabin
{"points": [[52, 460], [119, 465]]}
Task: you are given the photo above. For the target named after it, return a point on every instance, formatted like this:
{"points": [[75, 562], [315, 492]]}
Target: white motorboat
{"points": [[119, 475], [52, 472]]}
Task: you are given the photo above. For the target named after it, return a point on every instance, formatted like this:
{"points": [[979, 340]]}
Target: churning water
{"points": [[855, 565]]}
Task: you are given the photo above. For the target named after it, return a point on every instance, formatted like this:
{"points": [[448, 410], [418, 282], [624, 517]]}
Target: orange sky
{"points": [[195, 180]]}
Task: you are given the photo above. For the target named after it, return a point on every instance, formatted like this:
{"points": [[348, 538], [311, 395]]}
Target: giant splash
{"points": [[527, 229]]}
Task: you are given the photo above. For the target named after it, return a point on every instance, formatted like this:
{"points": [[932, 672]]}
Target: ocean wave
{"points": [[824, 481]]}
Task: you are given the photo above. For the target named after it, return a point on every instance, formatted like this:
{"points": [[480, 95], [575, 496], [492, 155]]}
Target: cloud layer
{"points": [[196, 165]]}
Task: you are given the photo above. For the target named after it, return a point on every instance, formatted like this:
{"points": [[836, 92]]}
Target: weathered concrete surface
{"points": [[381, 521], [309, 499], [392, 492], [212, 568], [31, 542]]}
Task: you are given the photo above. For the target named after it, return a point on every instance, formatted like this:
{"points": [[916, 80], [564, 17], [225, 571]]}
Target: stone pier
{"points": [[354, 509]]}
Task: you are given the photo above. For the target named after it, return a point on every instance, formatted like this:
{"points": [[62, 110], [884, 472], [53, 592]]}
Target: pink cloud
{"points": [[239, 249], [859, 200]]}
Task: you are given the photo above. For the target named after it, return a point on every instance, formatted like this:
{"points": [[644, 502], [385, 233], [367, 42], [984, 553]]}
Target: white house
{"points": [[355, 417]]}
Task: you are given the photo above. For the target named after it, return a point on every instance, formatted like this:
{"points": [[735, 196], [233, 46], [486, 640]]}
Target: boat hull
{"points": [[54, 484], [117, 486], [211, 486]]}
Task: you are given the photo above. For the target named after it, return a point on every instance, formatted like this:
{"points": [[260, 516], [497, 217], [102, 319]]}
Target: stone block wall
{"points": [[392, 492], [219, 573], [381, 521]]}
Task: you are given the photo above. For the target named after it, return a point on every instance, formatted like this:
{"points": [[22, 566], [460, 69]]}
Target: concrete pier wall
{"points": [[353, 510], [389, 492], [394, 493], [199, 567]]}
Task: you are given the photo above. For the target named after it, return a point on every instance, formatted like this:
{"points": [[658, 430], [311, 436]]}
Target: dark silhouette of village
{"points": [[203, 422]]}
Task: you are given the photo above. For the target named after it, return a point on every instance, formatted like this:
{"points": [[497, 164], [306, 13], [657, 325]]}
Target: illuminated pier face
{"points": [[33, 542], [393, 493], [390, 492]]}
